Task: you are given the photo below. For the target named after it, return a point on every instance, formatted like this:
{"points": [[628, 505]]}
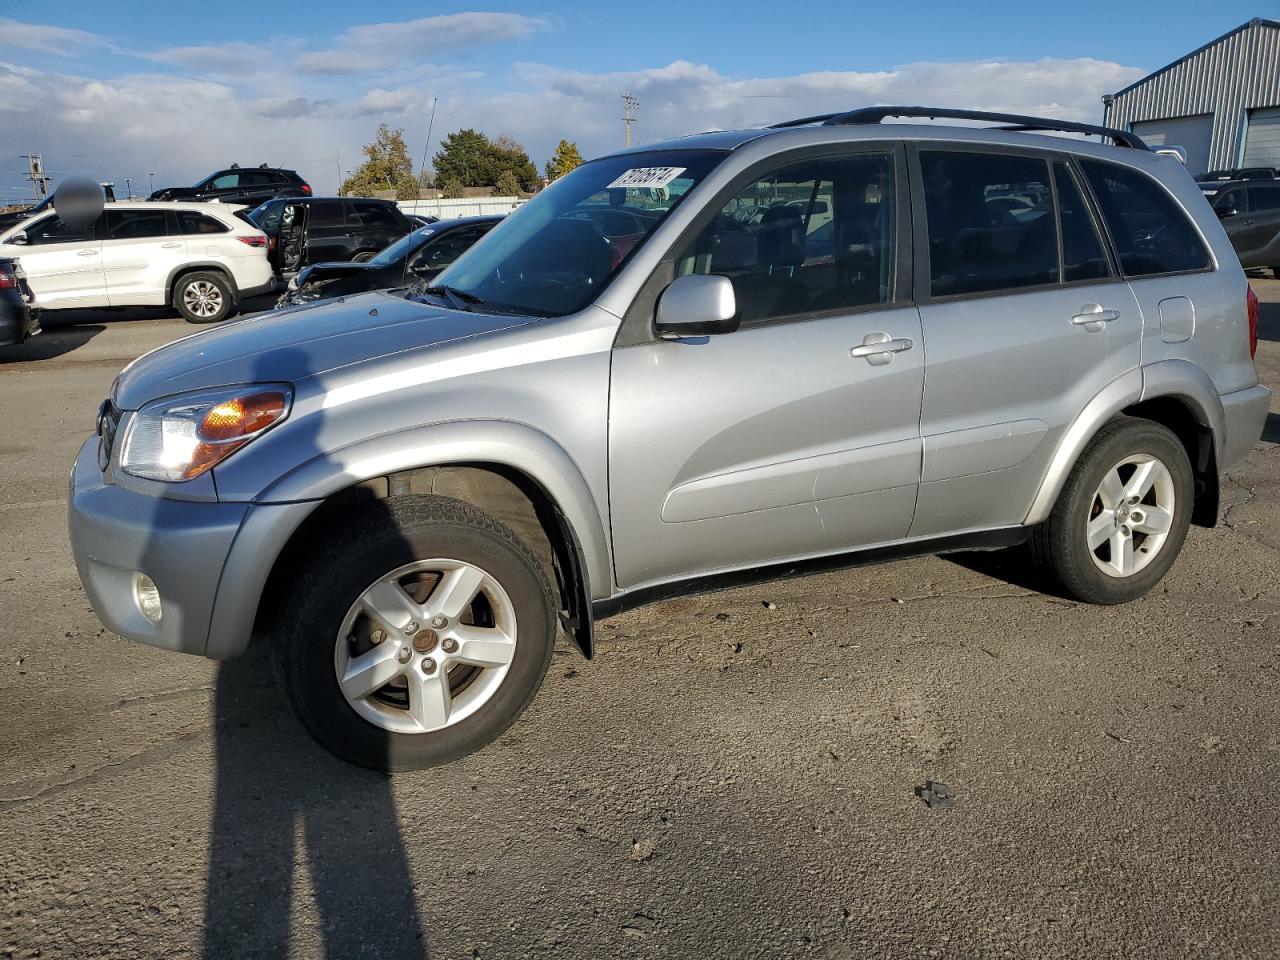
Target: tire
{"points": [[317, 636], [364, 256], [203, 297], [1060, 546]]}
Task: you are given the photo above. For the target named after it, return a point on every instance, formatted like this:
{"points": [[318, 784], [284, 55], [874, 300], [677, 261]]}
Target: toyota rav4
{"points": [[817, 343]]}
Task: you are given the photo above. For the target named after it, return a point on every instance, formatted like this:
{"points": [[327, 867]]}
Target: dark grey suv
{"points": [[1250, 213]]}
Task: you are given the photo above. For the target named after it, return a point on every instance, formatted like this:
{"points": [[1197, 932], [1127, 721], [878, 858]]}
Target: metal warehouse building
{"points": [[1221, 102]]}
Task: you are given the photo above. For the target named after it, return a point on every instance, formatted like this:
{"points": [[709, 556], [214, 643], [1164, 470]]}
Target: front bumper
{"points": [[209, 560], [1244, 414], [181, 545]]}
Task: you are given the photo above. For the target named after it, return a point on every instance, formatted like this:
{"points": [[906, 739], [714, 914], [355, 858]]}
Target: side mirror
{"points": [[695, 306], [19, 239], [1225, 212]]}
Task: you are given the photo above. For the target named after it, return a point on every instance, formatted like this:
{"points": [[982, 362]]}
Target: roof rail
{"points": [[1011, 121]]}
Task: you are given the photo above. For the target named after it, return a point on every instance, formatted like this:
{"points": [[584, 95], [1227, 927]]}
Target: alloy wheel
{"points": [[202, 298], [1131, 515]]}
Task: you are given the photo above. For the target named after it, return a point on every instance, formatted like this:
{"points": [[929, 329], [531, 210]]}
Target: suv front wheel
{"points": [[418, 636], [203, 297], [1122, 516]]}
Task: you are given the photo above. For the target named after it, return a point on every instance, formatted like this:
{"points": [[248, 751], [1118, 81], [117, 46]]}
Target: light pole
{"points": [[151, 183], [128, 187]]}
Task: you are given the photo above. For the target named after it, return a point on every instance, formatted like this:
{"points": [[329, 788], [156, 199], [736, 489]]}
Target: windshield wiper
{"points": [[460, 299]]}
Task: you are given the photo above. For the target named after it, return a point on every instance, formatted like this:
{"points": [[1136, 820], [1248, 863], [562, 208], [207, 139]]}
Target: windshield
{"points": [[402, 247], [554, 255]]}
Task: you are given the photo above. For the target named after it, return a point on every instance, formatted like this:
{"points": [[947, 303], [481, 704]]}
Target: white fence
{"points": [[464, 207]]}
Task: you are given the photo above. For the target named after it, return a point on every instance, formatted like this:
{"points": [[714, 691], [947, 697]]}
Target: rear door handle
{"points": [[170, 246], [878, 348], [1094, 317], [87, 253]]}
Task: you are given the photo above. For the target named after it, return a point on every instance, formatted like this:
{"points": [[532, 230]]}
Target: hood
{"points": [[299, 342]]}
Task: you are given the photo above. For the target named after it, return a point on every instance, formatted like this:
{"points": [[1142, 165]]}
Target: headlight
{"points": [[181, 437]]}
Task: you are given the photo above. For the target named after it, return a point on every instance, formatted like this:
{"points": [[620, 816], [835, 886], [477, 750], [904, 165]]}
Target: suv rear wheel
{"points": [[203, 297], [418, 636], [1121, 519]]}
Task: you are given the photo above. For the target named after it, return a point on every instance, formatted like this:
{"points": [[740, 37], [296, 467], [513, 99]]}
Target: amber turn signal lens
{"points": [[242, 417]]}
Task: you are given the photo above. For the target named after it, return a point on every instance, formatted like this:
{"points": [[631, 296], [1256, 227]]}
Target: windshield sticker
{"points": [[646, 177]]}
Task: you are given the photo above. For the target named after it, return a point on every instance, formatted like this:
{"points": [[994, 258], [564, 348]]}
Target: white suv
{"points": [[199, 257]]}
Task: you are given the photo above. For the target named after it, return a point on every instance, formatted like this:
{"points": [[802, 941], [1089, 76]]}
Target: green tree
{"points": [[507, 185], [451, 188], [474, 160], [565, 159], [407, 187], [386, 164]]}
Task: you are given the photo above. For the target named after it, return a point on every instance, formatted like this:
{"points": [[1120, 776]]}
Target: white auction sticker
{"points": [[647, 177]]}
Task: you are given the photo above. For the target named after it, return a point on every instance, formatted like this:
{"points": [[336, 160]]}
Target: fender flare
{"points": [[1166, 378]]}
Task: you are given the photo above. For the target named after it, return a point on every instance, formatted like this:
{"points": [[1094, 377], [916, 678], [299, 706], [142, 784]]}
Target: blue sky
{"points": [[115, 90]]}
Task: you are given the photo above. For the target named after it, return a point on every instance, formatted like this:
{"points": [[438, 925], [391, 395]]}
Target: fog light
{"points": [[147, 597]]}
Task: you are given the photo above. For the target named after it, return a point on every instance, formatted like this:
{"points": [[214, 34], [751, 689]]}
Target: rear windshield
{"points": [[556, 253]]}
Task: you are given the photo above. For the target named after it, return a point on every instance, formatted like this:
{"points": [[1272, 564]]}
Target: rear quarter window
{"points": [[1152, 234]]}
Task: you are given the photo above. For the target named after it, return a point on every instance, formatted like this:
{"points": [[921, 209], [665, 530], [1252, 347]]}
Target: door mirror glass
{"points": [[695, 306]]}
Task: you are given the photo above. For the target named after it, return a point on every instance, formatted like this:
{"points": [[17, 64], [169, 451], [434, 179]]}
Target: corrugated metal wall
{"points": [[1228, 78]]}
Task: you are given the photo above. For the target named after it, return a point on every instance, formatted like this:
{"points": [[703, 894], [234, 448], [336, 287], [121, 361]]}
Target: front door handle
{"points": [[87, 253], [878, 348], [170, 246], [1094, 317]]}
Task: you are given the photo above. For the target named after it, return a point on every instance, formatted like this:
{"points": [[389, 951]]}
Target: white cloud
{"points": [[375, 46], [132, 125], [216, 58], [45, 38]]}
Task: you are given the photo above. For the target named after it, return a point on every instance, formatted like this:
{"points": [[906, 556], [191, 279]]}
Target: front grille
{"points": [[108, 423]]}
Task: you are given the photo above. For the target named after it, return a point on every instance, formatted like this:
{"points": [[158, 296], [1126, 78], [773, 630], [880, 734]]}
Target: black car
{"points": [[421, 255], [19, 315], [1250, 213], [306, 230], [236, 184]]}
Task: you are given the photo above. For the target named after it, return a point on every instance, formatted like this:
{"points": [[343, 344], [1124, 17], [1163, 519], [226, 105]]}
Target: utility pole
{"points": [[35, 173], [337, 162], [629, 104]]}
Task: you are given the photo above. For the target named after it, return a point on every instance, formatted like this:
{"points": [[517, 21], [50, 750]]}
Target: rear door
{"points": [[1011, 267], [139, 252], [63, 262], [782, 439], [379, 225], [329, 231], [1264, 229]]}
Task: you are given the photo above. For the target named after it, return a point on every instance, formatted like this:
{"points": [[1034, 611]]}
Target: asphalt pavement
{"points": [[734, 775]]}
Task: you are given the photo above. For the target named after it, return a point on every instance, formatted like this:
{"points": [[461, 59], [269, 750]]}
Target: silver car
{"points": [[726, 357]]}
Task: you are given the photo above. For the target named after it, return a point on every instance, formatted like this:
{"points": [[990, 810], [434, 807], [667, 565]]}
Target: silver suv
{"points": [[735, 355]]}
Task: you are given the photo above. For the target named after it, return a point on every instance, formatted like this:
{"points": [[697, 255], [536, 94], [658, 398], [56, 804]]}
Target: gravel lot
{"points": [[732, 776]]}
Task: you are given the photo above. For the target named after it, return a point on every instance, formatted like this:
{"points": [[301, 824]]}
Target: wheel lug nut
{"points": [[428, 666], [449, 645], [411, 627], [1125, 531], [404, 654], [439, 620], [377, 636]]}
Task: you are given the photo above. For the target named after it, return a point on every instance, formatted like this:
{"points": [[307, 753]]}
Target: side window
{"points": [[225, 181], [1151, 232], [52, 229], [136, 224], [191, 222], [324, 215], [442, 251], [1083, 255], [1237, 200], [812, 236], [1264, 198], [991, 222], [376, 215]]}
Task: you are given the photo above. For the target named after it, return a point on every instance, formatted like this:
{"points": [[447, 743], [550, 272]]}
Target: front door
{"points": [[1024, 319], [786, 438], [63, 263]]}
